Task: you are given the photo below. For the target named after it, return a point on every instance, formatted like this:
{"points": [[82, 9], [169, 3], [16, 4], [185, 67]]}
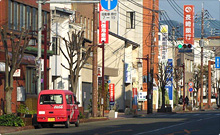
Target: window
{"points": [[89, 31], [34, 21], [85, 27], [130, 20], [10, 14], [51, 99], [30, 81], [28, 20], [69, 99], [15, 26], [21, 17], [55, 46]]}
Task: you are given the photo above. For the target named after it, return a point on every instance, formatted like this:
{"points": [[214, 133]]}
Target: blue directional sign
{"points": [[217, 62], [169, 85], [109, 4]]}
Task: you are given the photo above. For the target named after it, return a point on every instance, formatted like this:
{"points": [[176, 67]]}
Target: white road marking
{"points": [[170, 126]]}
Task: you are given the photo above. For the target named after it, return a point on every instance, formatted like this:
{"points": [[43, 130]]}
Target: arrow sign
{"points": [[109, 4]]}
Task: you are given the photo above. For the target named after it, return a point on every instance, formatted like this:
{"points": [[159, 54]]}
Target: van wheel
{"points": [[77, 122], [67, 123]]}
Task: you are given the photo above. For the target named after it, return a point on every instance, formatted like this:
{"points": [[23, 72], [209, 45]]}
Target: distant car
{"points": [[57, 107]]}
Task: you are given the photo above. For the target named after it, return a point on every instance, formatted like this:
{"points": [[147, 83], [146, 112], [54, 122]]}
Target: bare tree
{"points": [[164, 78], [74, 56], [15, 45], [177, 76]]}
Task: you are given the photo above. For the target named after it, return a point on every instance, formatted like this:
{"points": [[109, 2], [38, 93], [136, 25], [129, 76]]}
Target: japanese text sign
{"points": [[188, 24], [112, 92], [103, 27]]}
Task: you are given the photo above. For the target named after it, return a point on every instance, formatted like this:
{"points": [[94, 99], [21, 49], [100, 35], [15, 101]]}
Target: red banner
{"points": [[103, 28], [112, 92], [188, 24], [134, 92]]}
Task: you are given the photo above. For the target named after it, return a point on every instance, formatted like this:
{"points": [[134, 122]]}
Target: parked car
{"points": [[57, 107]]}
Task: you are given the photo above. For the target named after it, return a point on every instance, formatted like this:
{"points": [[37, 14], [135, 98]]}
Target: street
{"points": [[197, 123]]}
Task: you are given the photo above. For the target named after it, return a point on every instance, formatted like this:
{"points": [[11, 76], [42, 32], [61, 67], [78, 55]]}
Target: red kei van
{"points": [[57, 107]]}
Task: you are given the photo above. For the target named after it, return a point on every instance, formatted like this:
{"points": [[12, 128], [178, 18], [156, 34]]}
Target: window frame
{"points": [[130, 23]]}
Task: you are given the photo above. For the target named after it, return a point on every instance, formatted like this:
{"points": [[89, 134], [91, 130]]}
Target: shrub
{"points": [[24, 109], [81, 116], [11, 120]]}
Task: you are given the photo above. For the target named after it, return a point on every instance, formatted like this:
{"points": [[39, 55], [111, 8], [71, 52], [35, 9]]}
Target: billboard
{"points": [[188, 22], [103, 27]]}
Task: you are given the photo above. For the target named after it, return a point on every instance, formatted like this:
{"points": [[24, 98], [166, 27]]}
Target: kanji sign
{"points": [[109, 15], [103, 28], [112, 93], [109, 4], [188, 24]]}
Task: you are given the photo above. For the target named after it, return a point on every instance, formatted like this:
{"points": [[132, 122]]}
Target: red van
{"points": [[57, 107]]}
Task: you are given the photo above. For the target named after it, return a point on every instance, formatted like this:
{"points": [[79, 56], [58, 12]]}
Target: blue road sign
{"points": [[185, 50], [190, 89], [109, 4], [169, 85], [217, 62]]}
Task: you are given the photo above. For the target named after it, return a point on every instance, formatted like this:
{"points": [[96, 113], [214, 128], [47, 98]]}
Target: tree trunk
{"points": [[163, 99], [8, 99]]}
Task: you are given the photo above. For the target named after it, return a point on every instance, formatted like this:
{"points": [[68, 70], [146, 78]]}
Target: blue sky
{"points": [[213, 6]]}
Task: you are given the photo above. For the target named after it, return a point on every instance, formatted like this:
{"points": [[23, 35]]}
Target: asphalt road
{"points": [[200, 123]]}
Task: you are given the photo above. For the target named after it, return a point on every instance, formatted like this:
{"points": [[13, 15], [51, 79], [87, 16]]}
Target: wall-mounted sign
{"points": [[17, 73]]}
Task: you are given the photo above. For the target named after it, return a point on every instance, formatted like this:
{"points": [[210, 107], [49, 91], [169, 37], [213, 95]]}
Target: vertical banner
{"points": [[164, 38], [112, 93], [188, 24], [169, 85], [103, 27], [134, 95]]}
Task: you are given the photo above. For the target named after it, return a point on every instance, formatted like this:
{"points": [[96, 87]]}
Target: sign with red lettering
{"points": [[111, 92], [103, 27], [188, 24]]}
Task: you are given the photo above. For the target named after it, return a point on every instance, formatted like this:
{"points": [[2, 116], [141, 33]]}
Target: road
{"points": [[200, 123]]}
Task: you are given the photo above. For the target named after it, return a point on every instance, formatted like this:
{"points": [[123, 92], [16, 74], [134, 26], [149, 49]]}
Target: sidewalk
{"points": [[7, 129]]}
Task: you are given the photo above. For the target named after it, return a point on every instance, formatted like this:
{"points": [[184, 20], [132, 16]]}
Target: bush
{"points": [[11, 120], [81, 116], [24, 110]]}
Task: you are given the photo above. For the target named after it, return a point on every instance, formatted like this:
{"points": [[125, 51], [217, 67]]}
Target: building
{"points": [[18, 14]]}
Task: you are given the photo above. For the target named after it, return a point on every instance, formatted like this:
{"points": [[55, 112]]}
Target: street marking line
{"points": [[170, 126], [109, 133]]}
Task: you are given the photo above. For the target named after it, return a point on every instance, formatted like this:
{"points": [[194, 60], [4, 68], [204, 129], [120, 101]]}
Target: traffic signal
{"points": [[180, 46]]}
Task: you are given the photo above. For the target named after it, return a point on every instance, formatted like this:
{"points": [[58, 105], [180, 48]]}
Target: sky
{"points": [[213, 6]]}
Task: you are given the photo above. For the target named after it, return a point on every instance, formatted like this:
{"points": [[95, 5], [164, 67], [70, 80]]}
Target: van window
{"points": [[69, 99], [51, 99]]}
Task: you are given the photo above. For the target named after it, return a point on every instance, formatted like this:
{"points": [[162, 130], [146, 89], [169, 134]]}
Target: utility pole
{"points": [[39, 45], [153, 40], [45, 56], [94, 64], [201, 45], [175, 63]]}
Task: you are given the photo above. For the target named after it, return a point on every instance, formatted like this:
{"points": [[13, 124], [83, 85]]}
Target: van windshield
{"points": [[51, 99]]}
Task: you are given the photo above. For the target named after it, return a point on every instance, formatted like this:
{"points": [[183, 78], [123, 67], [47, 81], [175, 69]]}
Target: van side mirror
{"points": [[77, 103]]}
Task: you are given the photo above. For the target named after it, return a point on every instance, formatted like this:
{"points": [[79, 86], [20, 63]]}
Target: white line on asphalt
{"points": [[170, 126]]}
